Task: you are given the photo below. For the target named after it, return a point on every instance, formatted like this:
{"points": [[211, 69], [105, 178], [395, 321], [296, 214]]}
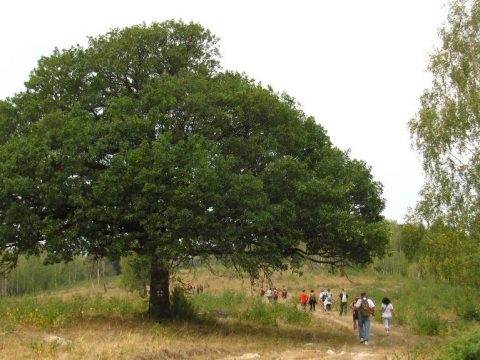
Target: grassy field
{"points": [[229, 321]]}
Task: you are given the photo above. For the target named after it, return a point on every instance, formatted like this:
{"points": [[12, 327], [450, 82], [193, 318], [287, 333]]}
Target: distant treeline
{"points": [[31, 275], [437, 252]]}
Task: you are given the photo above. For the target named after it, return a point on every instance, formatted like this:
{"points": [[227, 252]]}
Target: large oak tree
{"points": [[140, 143]]}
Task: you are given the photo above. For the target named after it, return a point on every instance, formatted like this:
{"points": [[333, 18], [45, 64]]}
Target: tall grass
{"points": [[464, 347], [54, 312], [425, 306], [249, 308]]}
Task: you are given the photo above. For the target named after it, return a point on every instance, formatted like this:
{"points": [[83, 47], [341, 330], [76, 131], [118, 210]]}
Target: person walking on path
{"points": [[366, 308], [343, 302], [303, 299], [284, 293], [275, 295], [354, 313], [387, 313], [321, 298], [328, 300], [312, 300], [269, 295]]}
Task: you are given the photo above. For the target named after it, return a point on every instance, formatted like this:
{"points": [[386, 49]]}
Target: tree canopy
{"points": [[139, 143], [447, 127]]}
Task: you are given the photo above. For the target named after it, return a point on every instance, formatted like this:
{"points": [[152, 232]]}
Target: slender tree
{"points": [[446, 130], [140, 144]]}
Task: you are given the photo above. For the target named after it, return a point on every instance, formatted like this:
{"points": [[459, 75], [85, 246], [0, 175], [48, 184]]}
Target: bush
{"points": [[181, 308], [229, 303], [260, 313], [466, 347], [428, 322], [469, 310], [135, 273]]}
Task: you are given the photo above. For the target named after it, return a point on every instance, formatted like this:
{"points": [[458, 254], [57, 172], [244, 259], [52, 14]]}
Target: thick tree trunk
{"points": [[159, 304]]}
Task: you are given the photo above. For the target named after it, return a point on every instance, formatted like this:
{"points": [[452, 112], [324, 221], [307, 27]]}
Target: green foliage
{"points": [[181, 308], [399, 253], [428, 322], [240, 306], [228, 303], [468, 307], [425, 305], [393, 264], [452, 255], [139, 144], [446, 127], [135, 273], [31, 275], [412, 240], [53, 312], [464, 347], [445, 132]]}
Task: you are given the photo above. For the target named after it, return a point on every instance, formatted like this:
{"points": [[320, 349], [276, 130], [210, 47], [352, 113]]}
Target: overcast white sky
{"points": [[358, 67]]}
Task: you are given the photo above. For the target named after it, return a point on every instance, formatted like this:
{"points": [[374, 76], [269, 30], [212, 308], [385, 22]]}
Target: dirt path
{"points": [[380, 346]]}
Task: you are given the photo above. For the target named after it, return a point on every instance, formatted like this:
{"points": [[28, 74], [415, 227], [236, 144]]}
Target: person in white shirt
{"points": [[321, 298], [328, 300], [387, 313], [366, 309], [343, 302], [269, 295]]}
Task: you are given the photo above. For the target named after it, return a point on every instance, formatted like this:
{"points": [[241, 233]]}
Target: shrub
{"points": [[260, 313], [428, 322], [465, 347], [469, 310], [228, 303], [181, 308]]}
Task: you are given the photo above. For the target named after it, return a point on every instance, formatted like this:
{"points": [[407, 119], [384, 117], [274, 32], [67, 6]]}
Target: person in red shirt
{"points": [[304, 299]]}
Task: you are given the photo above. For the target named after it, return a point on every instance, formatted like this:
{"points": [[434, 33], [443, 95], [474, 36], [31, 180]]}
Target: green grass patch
{"points": [[464, 347], [54, 312], [227, 304], [240, 306]]}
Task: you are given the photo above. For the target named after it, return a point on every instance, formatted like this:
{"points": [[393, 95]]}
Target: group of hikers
{"points": [[273, 295], [363, 308], [325, 298], [192, 289]]}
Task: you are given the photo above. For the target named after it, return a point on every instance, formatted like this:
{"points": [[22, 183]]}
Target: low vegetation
{"points": [[229, 318]]}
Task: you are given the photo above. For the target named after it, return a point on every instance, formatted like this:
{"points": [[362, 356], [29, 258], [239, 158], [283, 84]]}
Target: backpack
{"points": [[328, 297], [365, 310]]}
